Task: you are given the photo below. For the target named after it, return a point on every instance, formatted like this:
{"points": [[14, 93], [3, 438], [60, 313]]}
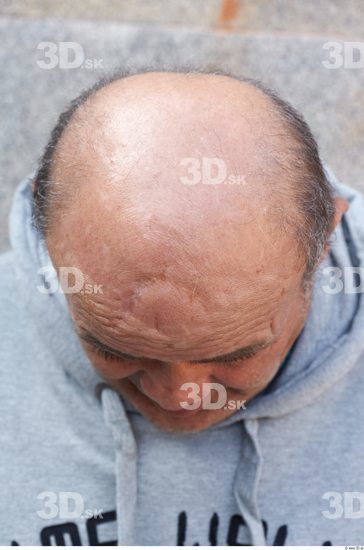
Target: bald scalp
{"points": [[139, 136], [124, 145]]}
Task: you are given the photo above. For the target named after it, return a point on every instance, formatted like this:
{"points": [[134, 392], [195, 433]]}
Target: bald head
{"points": [[181, 195], [124, 168], [144, 151], [175, 130]]}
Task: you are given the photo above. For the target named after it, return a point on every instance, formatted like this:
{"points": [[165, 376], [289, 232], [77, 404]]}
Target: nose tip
{"points": [[168, 398]]}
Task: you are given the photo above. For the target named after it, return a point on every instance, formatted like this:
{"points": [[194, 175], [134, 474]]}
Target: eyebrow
{"points": [[242, 353]]}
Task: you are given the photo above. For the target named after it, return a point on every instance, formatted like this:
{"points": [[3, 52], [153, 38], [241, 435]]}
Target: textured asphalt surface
{"points": [[31, 97]]}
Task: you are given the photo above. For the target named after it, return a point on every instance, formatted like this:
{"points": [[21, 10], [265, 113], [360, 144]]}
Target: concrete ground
{"points": [[281, 42]]}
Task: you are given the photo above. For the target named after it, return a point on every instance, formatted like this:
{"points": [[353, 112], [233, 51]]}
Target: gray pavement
{"points": [[291, 61]]}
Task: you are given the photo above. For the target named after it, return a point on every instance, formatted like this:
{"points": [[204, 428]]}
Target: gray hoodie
{"points": [[79, 465]]}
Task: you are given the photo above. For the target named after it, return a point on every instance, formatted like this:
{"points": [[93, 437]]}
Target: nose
{"points": [[174, 383]]}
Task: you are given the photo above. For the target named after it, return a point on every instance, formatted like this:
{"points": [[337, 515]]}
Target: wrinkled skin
{"points": [[189, 272]]}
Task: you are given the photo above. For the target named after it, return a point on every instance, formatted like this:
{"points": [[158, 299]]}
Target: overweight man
{"points": [[182, 328]]}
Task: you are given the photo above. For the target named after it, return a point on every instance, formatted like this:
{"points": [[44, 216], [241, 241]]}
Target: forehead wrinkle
{"points": [[217, 295], [121, 305], [152, 339]]}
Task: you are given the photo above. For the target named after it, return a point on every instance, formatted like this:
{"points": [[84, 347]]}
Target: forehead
{"points": [[223, 252], [153, 318], [157, 302], [175, 272], [175, 286]]}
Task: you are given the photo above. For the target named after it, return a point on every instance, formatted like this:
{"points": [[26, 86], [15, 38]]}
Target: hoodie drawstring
{"points": [[126, 464], [246, 483]]}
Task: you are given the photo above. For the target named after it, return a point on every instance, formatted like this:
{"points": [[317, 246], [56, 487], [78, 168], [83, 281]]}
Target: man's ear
{"points": [[341, 206]]}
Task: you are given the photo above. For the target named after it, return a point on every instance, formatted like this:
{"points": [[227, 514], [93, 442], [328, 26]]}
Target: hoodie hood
{"points": [[326, 350]]}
